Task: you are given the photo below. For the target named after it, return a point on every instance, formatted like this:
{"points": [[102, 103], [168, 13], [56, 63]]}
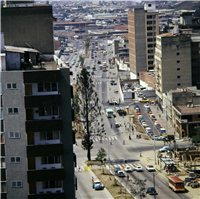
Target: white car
{"points": [[150, 168], [148, 129], [156, 122], [128, 169], [138, 168], [146, 106], [144, 124]]}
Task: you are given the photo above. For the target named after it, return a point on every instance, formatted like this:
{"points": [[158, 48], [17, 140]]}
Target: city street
{"points": [[117, 152]]}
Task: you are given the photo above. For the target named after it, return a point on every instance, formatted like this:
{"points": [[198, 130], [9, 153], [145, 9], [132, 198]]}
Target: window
{"points": [[150, 62], [150, 45], [11, 86], [3, 187], [14, 135], [50, 135], [178, 76], [16, 184], [149, 34], [3, 162], [149, 22], [150, 51], [52, 184], [178, 84], [2, 138], [154, 22], [47, 87], [150, 57], [177, 54], [13, 110], [15, 160], [44, 111], [177, 47], [149, 28], [154, 16], [198, 116], [149, 16], [149, 39], [178, 61], [178, 68]]}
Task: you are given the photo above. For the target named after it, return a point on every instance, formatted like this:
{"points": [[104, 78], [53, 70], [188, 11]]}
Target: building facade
{"points": [[143, 28], [172, 62], [36, 135]]}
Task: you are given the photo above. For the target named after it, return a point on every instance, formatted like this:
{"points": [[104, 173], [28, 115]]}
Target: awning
{"points": [[20, 49]]}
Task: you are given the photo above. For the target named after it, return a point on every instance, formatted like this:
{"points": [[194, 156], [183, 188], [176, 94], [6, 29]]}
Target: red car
{"points": [[154, 119]]}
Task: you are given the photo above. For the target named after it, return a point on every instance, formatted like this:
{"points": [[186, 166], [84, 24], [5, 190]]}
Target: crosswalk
{"points": [[110, 138], [123, 166]]}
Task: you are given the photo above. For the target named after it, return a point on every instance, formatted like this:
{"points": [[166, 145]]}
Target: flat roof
{"points": [[188, 110]]}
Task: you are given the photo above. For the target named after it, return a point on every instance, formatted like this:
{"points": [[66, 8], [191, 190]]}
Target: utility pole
{"points": [[154, 183]]}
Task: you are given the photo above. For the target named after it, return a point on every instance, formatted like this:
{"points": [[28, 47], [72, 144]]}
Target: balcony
{"points": [[45, 175], [44, 150], [43, 125], [47, 196], [41, 76], [42, 101]]}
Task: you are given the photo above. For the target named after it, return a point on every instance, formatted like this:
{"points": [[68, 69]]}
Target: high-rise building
{"points": [[30, 26], [143, 28], [36, 135], [172, 62]]}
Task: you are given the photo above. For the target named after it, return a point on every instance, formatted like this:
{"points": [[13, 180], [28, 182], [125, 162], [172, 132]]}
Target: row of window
{"points": [[45, 184], [151, 39], [51, 110], [51, 160], [50, 135], [47, 87], [151, 16], [11, 86], [151, 45], [151, 22], [151, 28], [151, 33]]}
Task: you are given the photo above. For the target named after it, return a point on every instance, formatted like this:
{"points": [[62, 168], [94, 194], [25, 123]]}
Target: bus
{"points": [[176, 184], [109, 112]]}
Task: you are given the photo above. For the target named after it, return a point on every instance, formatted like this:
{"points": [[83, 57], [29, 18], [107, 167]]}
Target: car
{"points": [[99, 62], [97, 185], [95, 55], [159, 127], [136, 106], [138, 113], [113, 103], [137, 109], [152, 116], [143, 100], [144, 124], [116, 169], [151, 191], [128, 169], [121, 173], [92, 73], [76, 66], [142, 120], [154, 120], [155, 137], [150, 168], [138, 168], [146, 106], [117, 125], [163, 150], [148, 129], [162, 130]]}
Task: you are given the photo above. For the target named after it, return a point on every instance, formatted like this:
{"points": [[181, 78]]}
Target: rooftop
{"points": [[168, 34], [188, 110]]}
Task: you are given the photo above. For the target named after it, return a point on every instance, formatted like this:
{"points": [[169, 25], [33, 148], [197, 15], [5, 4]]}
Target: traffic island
{"points": [[112, 184]]}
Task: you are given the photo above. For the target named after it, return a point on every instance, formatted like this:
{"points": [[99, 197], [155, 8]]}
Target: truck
{"points": [[109, 112]]}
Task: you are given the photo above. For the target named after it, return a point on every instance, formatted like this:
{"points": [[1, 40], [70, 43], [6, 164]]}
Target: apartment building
{"points": [[143, 28], [183, 111], [36, 135], [172, 62]]}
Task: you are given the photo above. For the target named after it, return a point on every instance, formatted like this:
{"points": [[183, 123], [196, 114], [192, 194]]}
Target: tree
{"points": [[75, 105], [101, 154], [87, 44], [81, 59], [90, 109]]}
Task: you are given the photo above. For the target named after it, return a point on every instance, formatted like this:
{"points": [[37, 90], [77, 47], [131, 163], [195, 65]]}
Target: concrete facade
{"points": [[143, 28], [31, 25], [172, 62], [14, 98]]}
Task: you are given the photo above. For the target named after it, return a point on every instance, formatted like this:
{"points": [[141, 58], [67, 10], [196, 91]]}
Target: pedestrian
{"points": [[157, 108], [123, 142], [189, 139], [159, 116], [79, 169], [127, 177], [140, 154], [158, 162], [110, 142]]}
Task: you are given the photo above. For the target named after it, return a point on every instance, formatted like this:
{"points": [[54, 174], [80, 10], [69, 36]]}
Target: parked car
{"points": [[144, 124], [150, 168], [97, 185], [128, 169], [152, 117], [154, 120], [121, 174], [148, 129], [138, 168], [151, 191], [163, 150], [116, 169], [162, 130], [155, 137], [159, 127]]}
